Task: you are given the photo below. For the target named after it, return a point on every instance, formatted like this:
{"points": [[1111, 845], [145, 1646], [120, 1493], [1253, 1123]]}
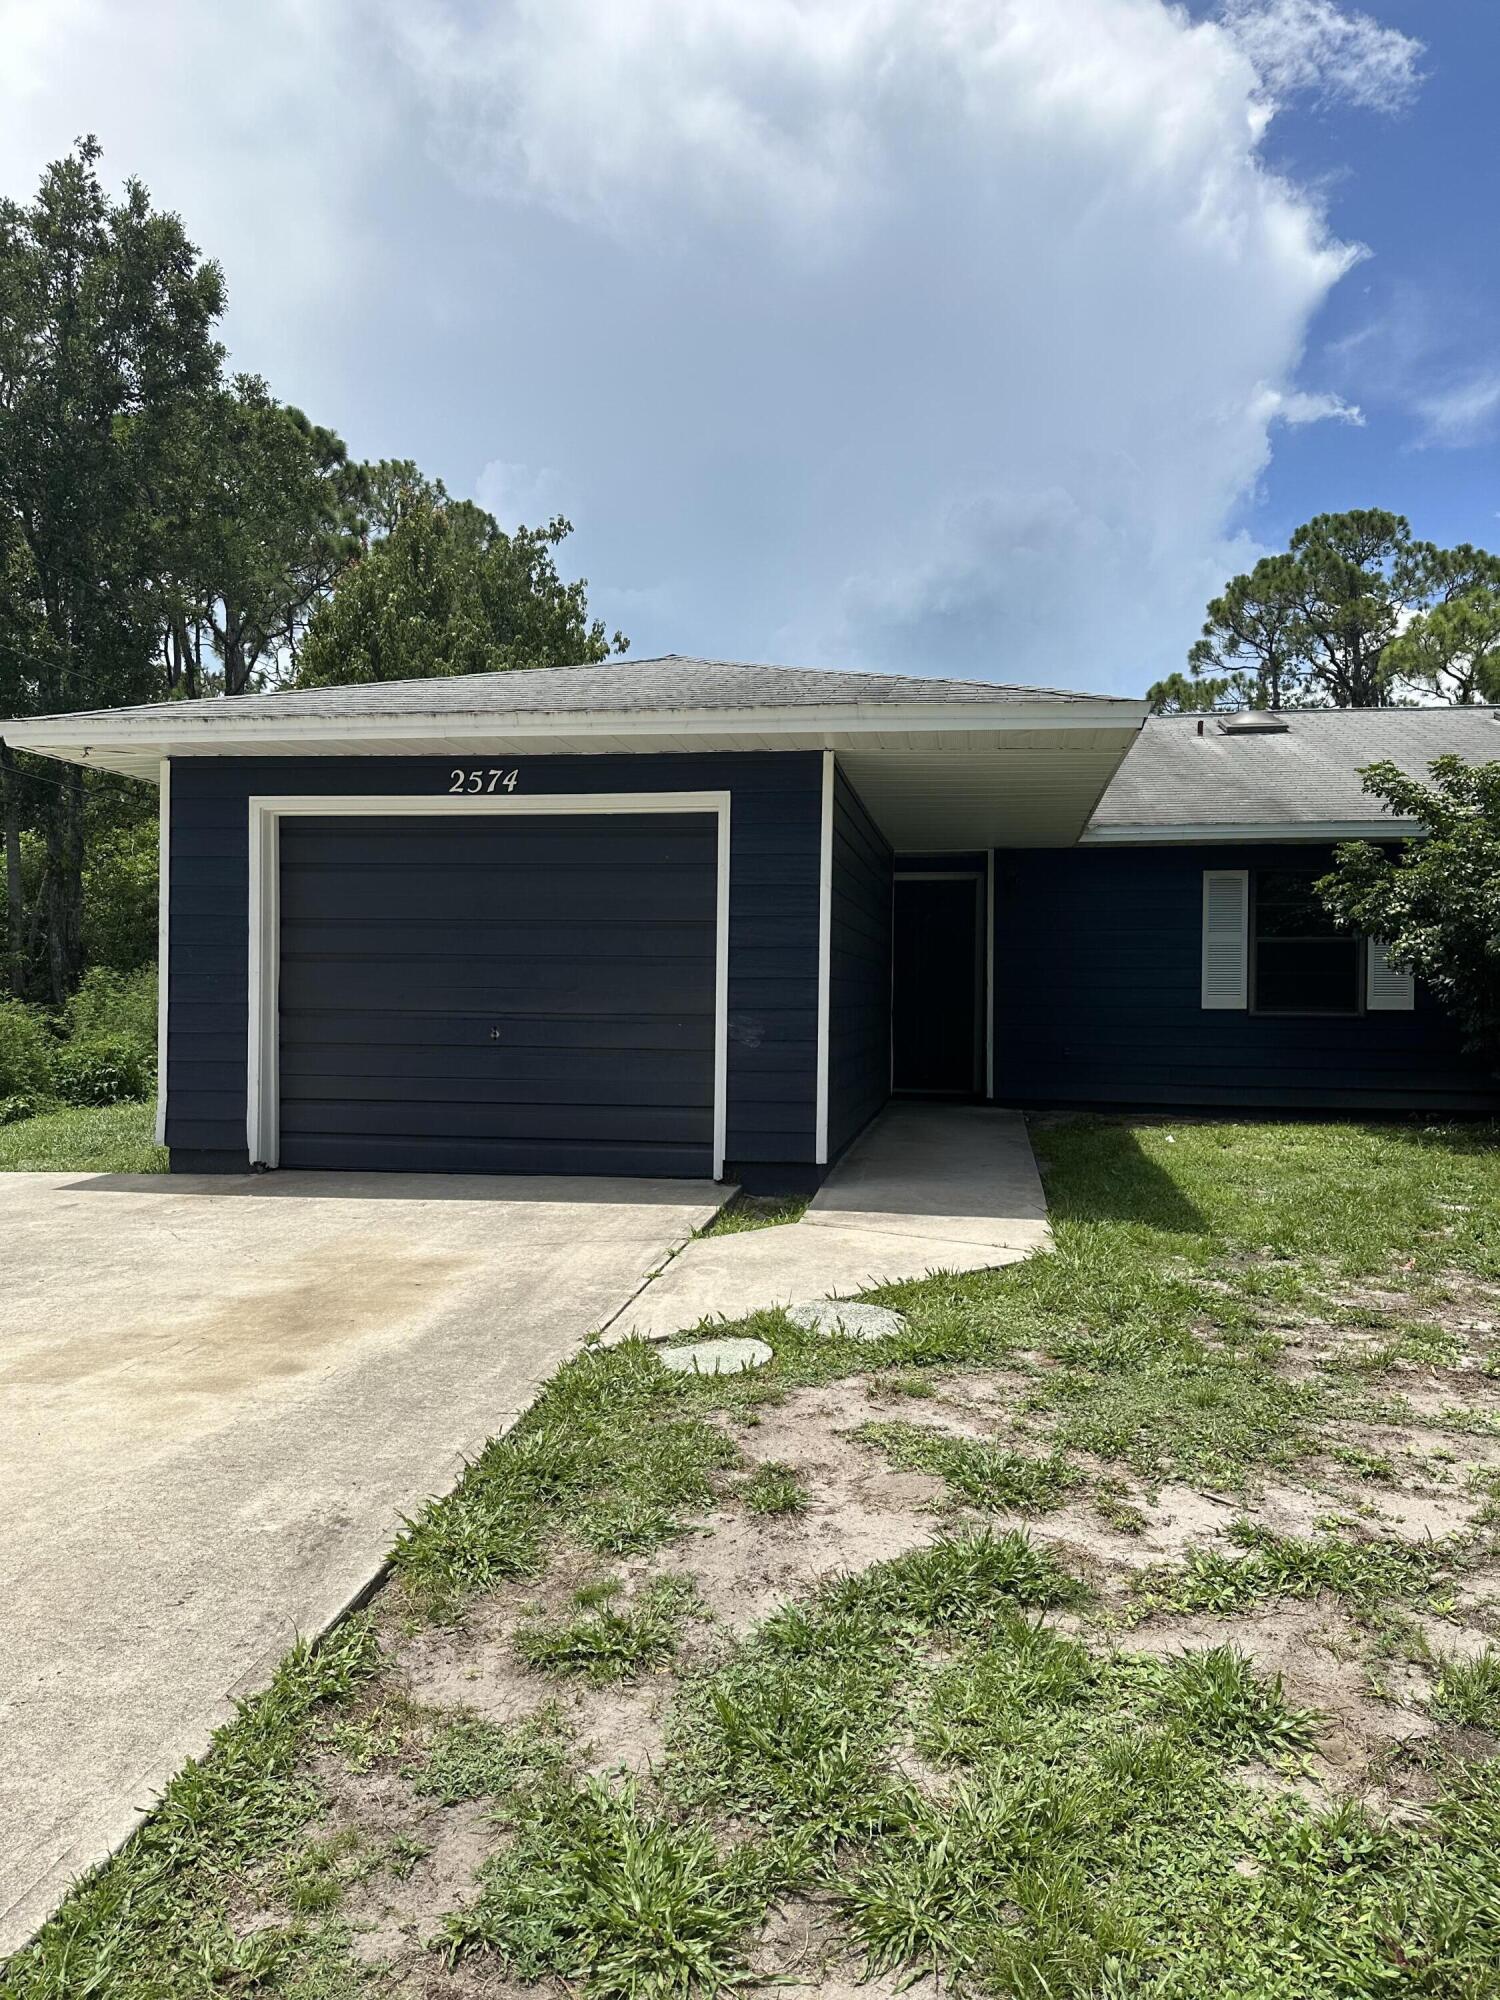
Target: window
{"points": [[1301, 963]]}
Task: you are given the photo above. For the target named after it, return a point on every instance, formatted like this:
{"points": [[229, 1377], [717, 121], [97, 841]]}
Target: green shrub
{"points": [[100, 1069], [24, 1051], [115, 1003]]}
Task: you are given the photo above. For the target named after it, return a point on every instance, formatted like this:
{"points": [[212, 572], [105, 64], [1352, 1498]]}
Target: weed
{"points": [[597, 1890], [470, 1758], [605, 1644], [1219, 1702], [909, 1383], [774, 1489], [1468, 1691], [151, 1920], [1368, 1465]]}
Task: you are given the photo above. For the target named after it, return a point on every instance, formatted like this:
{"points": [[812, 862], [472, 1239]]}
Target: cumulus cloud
{"points": [[947, 333], [1313, 46]]}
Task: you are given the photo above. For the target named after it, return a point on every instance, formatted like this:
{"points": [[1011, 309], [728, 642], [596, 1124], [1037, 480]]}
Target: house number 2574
{"points": [[484, 781]]}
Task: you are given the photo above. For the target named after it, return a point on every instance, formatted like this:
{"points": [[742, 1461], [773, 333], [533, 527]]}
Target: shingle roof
{"points": [[1187, 771], [615, 687]]}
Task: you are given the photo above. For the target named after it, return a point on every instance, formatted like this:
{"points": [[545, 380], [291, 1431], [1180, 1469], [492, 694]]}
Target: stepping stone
{"points": [[716, 1357], [847, 1317]]}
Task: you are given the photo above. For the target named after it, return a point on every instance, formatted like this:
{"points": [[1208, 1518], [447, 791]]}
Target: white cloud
{"points": [[1301, 406], [947, 331], [1314, 46], [1466, 412]]}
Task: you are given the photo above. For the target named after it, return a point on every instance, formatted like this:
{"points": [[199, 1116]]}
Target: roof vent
{"points": [[1255, 722]]}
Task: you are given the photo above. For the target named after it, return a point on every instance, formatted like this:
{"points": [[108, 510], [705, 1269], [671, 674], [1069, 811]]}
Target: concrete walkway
{"points": [[929, 1187], [218, 1398]]}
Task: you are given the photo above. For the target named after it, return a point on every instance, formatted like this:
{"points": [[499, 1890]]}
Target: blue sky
{"points": [[1412, 334], [981, 337]]}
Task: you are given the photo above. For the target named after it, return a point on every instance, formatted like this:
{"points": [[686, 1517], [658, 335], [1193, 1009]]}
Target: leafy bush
{"points": [[24, 1051], [1436, 902], [100, 1069], [115, 1003]]}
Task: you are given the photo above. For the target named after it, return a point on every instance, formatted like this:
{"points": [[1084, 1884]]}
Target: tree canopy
{"points": [[447, 591], [1357, 613], [168, 529]]}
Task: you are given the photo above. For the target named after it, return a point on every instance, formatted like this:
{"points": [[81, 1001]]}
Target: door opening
{"points": [[937, 983]]}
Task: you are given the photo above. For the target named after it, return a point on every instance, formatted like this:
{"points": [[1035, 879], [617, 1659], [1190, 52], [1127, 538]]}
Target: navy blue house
{"points": [[681, 917]]}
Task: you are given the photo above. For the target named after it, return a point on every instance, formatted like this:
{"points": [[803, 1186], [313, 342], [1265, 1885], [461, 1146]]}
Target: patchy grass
{"points": [[91, 1139], [756, 1211], [471, 1758], [945, 1749], [981, 1475], [1365, 1573]]}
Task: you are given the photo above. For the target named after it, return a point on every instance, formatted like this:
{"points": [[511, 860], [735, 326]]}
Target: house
{"points": [[687, 917]]}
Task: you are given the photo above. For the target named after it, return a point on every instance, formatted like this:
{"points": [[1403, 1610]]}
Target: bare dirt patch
{"points": [[393, 1915], [860, 1511], [802, 1949], [1323, 1661]]}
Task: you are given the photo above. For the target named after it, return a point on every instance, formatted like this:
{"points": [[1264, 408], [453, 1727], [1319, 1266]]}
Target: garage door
{"points": [[499, 994]]}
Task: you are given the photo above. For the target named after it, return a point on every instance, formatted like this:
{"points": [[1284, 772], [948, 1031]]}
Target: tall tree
{"points": [[1251, 635], [264, 513], [1354, 610], [447, 591], [107, 314]]}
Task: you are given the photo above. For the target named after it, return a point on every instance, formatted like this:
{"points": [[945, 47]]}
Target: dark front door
{"points": [[935, 1041], [501, 994]]}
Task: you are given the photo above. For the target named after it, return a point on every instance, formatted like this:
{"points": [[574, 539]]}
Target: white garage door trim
{"points": [[263, 1079]]}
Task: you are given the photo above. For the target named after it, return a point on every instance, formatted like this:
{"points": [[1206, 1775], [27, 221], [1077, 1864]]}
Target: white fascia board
{"points": [[1251, 832], [221, 734]]}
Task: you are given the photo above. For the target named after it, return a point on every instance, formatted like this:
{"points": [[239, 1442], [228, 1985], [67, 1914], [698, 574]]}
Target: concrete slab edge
{"points": [[58, 1886]]}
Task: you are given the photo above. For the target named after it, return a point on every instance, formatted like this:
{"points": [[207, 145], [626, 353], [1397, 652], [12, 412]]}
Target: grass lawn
{"points": [[112, 1139], [1128, 1625]]}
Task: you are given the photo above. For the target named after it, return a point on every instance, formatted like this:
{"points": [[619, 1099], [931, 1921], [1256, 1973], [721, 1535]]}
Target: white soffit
{"points": [[1037, 791]]}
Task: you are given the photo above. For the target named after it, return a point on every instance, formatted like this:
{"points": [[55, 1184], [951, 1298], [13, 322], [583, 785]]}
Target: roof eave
{"points": [[74, 737]]}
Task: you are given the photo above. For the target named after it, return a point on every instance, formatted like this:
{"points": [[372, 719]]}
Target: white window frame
{"points": [[263, 1078]]}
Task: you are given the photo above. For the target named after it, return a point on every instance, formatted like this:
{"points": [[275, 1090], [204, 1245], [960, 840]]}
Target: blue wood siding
{"points": [[859, 1015], [1098, 1001], [773, 914]]}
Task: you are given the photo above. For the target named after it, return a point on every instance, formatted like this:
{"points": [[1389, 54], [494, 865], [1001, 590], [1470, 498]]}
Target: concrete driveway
{"points": [[218, 1397]]}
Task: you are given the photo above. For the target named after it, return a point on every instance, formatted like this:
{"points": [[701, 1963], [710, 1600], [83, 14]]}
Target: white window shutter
{"points": [[1226, 937], [1387, 991]]}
